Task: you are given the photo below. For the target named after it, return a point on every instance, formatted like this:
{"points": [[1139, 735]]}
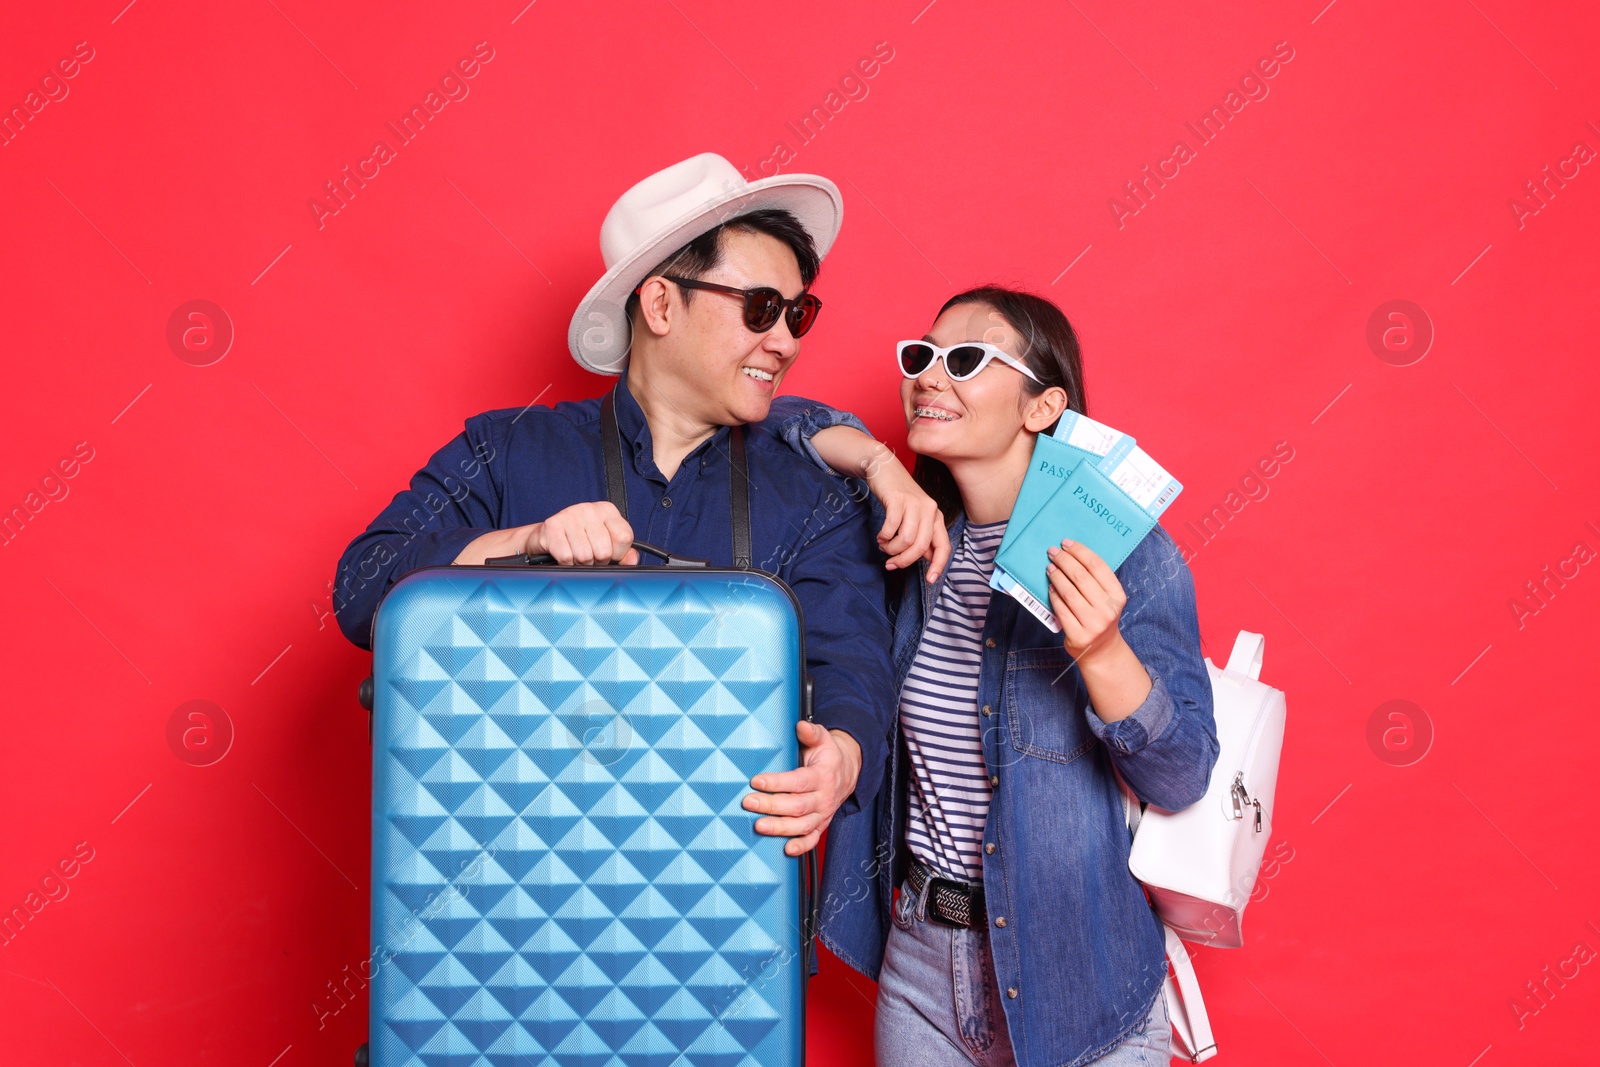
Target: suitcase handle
{"points": [[544, 559]]}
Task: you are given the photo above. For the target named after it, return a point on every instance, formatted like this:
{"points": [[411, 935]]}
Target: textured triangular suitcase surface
{"points": [[563, 873]]}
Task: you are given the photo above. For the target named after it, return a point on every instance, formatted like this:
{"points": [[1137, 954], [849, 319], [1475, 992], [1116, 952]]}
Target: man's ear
{"points": [[1042, 410], [655, 305]]}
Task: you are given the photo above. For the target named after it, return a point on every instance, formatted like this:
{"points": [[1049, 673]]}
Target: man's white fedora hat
{"points": [[665, 212]]}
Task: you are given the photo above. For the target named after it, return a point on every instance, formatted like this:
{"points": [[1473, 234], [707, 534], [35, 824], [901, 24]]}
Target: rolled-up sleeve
{"points": [[1149, 721], [796, 420], [450, 503], [1167, 748], [840, 586]]}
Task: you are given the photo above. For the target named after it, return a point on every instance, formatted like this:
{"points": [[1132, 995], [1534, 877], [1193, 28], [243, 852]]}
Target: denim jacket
{"points": [[1081, 958]]}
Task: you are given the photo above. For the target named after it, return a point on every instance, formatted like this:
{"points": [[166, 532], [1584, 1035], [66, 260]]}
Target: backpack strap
{"points": [[738, 475], [1192, 1039], [1186, 1008], [1246, 655]]}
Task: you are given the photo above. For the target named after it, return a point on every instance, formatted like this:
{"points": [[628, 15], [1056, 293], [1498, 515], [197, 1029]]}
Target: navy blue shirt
{"points": [[517, 466]]}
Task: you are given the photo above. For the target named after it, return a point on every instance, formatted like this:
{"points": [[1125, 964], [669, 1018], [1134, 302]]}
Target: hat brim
{"points": [[600, 335]]}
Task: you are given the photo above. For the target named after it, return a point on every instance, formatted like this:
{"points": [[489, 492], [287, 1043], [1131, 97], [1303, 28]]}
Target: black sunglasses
{"points": [[763, 305]]}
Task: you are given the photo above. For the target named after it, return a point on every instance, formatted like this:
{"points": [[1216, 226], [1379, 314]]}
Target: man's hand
{"points": [[585, 534], [582, 535], [799, 804]]}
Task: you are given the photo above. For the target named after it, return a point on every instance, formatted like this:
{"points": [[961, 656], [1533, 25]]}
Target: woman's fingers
{"points": [[1094, 610], [912, 543], [1073, 568], [1062, 585], [940, 549], [1097, 566], [1071, 629], [891, 519], [905, 534], [923, 545]]}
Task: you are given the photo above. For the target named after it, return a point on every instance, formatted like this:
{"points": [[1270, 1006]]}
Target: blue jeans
{"points": [[940, 1006]]}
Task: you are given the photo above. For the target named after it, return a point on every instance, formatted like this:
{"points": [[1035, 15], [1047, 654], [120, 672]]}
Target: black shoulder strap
{"points": [[611, 442], [739, 496], [738, 475]]}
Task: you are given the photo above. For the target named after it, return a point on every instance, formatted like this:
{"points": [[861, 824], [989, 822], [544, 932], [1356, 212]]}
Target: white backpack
{"points": [[1199, 865]]}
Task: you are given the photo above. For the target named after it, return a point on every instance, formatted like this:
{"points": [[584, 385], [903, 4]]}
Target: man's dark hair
{"points": [[703, 255]]}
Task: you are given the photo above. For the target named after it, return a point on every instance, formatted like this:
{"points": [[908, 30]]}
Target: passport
{"points": [[1108, 503], [1076, 438]]}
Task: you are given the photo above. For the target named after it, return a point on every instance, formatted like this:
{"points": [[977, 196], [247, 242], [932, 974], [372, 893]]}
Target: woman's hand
{"points": [[1088, 600], [1086, 597], [913, 527]]}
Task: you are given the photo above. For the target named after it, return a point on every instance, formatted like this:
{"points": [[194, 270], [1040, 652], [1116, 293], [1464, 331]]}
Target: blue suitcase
{"points": [[563, 873]]}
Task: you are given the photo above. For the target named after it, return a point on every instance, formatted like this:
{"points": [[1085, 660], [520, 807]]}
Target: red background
{"points": [[191, 556]]}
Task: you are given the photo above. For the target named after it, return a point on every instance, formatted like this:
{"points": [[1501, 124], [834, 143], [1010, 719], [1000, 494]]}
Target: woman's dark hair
{"points": [[1049, 347]]}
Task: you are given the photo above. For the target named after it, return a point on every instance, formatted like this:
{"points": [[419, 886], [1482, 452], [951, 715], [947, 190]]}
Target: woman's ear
{"points": [[655, 305], [1041, 411]]}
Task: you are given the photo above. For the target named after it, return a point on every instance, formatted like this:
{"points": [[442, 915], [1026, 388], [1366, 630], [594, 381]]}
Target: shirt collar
{"points": [[636, 432], [982, 541], [630, 417]]}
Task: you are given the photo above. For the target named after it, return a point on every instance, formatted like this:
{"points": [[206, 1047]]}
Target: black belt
{"points": [[950, 902]]}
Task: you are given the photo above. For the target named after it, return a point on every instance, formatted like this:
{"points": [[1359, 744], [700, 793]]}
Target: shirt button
{"points": [[1000, 921], [666, 501], [987, 710], [988, 642], [994, 780], [1012, 992], [989, 848]]}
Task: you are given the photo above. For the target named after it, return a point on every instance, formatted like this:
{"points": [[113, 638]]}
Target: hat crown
{"points": [[666, 211], [662, 199]]}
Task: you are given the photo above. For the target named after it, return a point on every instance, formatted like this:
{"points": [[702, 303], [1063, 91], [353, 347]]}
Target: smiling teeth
{"points": [[758, 374], [936, 413]]}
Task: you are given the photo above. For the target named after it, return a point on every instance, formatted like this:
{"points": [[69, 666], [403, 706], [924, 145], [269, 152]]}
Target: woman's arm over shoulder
{"points": [[1167, 748], [796, 420], [910, 525]]}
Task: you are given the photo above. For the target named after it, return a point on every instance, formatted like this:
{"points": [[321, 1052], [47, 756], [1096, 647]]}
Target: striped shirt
{"points": [[949, 786]]}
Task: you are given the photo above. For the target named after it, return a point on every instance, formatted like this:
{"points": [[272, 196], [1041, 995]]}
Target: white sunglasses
{"points": [[961, 362]]}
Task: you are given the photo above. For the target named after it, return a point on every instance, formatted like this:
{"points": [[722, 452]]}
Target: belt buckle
{"points": [[933, 901]]}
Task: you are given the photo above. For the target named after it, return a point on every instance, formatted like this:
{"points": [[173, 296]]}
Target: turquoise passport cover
{"points": [[1086, 507], [1053, 461]]}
